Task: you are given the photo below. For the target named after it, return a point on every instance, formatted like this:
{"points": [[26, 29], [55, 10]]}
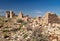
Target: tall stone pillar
{"points": [[11, 14], [6, 15]]}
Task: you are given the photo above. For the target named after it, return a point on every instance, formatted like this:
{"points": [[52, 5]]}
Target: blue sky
{"points": [[30, 7]]}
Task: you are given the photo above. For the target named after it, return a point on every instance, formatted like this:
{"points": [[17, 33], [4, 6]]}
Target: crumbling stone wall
{"points": [[50, 18], [20, 16], [9, 14], [53, 18]]}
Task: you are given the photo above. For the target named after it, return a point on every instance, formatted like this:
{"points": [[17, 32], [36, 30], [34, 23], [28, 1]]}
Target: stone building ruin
{"points": [[20, 16], [9, 14], [50, 18]]}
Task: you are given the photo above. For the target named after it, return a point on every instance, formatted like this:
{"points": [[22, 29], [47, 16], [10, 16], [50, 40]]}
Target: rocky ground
{"points": [[27, 31]]}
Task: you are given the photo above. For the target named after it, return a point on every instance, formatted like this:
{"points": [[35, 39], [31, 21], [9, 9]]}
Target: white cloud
{"points": [[37, 11], [2, 12]]}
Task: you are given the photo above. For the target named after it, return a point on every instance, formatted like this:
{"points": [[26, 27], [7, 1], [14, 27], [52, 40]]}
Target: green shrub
{"points": [[25, 35], [24, 23], [19, 21], [5, 30], [6, 36]]}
